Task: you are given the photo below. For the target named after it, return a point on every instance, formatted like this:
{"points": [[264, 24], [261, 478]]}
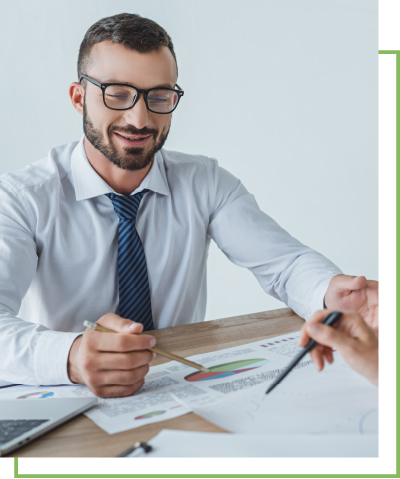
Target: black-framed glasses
{"points": [[119, 96]]}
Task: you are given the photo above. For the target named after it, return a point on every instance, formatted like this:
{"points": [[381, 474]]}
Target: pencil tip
{"points": [[205, 370]]}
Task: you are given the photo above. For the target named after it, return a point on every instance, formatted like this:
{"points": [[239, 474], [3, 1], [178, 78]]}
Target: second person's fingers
{"points": [[328, 355], [317, 357], [316, 318], [326, 335]]}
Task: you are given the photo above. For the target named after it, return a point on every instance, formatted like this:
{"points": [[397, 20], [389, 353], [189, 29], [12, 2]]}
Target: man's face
{"points": [[104, 128]]}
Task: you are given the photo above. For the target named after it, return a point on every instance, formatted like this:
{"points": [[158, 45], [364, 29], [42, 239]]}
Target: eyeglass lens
{"points": [[120, 97]]}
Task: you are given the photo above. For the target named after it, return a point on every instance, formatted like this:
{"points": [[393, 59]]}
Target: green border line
{"points": [[101, 476], [172, 476]]}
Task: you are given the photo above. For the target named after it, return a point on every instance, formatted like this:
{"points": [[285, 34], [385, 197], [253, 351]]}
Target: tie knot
{"points": [[127, 206]]}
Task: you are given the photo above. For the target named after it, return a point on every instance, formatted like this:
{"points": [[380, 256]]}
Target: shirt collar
{"points": [[88, 184]]}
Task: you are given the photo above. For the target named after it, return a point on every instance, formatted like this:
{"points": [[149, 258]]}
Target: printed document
{"points": [[335, 401], [173, 389]]}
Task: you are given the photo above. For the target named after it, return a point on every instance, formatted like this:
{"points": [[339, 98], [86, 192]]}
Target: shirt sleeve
{"points": [[29, 353], [285, 268]]}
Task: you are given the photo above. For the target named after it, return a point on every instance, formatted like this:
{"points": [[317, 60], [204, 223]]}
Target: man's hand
{"points": [[353, 339], [354, 293], [110, 364]]}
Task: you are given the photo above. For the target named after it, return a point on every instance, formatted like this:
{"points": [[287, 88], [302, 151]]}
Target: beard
{"points": [[134, 158]]}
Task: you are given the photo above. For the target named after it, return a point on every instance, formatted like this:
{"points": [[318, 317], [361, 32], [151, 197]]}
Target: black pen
{"points": [[137, 449], [329, 320]]}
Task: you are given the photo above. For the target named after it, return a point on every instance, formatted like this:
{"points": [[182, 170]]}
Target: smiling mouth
{"points": [[133, 141], [133, 137]]}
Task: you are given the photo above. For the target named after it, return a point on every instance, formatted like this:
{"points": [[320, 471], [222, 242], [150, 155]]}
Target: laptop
{"points": [[24, 421]]}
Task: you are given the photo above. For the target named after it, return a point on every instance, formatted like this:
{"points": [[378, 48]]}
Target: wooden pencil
{"points": [[161, 352]]}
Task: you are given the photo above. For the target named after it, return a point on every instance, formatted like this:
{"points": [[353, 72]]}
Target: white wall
{"points": [[282, 92]]}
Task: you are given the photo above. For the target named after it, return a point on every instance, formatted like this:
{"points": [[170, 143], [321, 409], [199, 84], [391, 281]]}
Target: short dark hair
{"points": [[131, 30]]}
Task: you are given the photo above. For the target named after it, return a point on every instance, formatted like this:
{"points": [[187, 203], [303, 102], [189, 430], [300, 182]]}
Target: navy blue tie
{"points": [[134, 291]]}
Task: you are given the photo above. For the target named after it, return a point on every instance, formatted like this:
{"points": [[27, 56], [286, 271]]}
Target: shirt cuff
{"points": [[317, 303], [51, 357]]}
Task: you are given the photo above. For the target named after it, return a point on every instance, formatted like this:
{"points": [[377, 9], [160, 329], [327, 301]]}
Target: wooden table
{"points": [[80, 437]]}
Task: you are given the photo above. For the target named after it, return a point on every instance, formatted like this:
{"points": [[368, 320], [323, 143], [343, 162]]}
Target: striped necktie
{"points": [[133, 283]]}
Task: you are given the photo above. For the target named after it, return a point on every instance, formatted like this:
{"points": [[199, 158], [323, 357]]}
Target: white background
{"points": [[282, 92], [389, 39]]}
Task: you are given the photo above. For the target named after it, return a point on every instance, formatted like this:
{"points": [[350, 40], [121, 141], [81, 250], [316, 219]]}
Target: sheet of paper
{"points": [[335, 401], [112, 415], [170, 443], [232, 370]]}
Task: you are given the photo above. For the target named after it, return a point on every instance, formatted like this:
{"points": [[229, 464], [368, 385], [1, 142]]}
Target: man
{"points": [[116, 229]]}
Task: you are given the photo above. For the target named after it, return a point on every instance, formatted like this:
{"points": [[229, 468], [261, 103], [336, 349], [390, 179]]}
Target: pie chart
{"points": [[38, 395], [150, 414], [227, 369]]}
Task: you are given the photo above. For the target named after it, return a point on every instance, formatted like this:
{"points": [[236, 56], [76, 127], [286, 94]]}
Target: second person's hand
{"points": [[351, 337], [111, 365]]}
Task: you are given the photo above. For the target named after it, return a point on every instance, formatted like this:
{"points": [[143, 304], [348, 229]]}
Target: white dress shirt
{"points": [[59, 244]]}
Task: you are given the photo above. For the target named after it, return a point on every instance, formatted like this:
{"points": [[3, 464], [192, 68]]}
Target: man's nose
{"points": [[138, 116]]}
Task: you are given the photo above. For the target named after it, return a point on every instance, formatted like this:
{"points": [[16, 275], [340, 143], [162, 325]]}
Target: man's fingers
{"points": [[118, 377], [117, 391], [112, 342], [125, 361], [120, 325], [114, 364]]}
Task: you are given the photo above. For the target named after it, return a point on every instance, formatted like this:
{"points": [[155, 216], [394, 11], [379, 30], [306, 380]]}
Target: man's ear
{"points": [[76, 93]]}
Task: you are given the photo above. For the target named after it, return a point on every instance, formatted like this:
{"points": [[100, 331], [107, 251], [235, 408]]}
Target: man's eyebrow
{"points": [[113, 80]]}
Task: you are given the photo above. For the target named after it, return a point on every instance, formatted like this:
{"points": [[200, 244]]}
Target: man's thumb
{"points": [[120, 325], [344, 282], [359, 282]]}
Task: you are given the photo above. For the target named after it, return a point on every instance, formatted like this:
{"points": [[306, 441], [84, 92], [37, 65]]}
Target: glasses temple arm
{"points": [[90, 80]]}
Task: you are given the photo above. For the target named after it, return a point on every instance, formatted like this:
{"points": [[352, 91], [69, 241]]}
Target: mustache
{"points": [[130, 130]]}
